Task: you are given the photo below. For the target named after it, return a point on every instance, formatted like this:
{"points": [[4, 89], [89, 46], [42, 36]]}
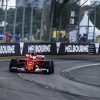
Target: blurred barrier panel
{"points": [[76, 49], [9, 49], [57, 48], [40, 48]]}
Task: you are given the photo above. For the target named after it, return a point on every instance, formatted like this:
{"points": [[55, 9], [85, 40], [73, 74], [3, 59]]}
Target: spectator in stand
{"points": [[7, 36], [83, 39], [60, 37], [64, 38], [17, 38], [67, 39]]}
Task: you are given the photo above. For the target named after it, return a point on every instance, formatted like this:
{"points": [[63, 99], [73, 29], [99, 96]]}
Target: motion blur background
{"points": [[45, 20]]}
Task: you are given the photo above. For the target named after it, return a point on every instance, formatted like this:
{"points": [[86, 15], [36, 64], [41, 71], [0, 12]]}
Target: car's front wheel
{"points": [[13, 65]]}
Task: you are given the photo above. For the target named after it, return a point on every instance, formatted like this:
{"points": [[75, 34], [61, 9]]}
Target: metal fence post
{"points": [[41, 31], [23, 22], [51, 23], [31, 26], [15, 16], [5, 17], [94, 36]]}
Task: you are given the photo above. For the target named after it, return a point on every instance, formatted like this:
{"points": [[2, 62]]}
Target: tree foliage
{"points": [[63, 12]]}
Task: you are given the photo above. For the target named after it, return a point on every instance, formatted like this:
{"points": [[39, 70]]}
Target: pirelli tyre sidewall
{"points": [[13, 65]]}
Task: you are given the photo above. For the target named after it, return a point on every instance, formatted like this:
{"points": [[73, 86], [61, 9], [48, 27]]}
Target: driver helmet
{"points": [[32, 53]]}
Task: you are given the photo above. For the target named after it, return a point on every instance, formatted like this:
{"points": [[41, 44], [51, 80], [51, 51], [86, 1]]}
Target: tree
{"points": [[63, 10]]}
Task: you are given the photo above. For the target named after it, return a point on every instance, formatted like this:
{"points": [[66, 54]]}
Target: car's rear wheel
{"points": [[49, 65], [52, 66], [13, 65]]}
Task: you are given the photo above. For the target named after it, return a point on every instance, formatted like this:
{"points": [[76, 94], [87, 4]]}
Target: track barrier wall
{"points": [[58, 48]]}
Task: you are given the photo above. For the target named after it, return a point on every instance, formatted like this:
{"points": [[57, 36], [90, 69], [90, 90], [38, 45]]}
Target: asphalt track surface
{"points": [[58, 86]]}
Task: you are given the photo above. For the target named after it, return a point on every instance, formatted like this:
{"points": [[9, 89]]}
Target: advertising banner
{"points": [[58, 48], [76, 49], [39, 48], [9, 49]]}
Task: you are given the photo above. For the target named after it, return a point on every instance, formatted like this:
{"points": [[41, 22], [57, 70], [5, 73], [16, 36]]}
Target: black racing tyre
{"points": [[50, 67], [13, 65]]}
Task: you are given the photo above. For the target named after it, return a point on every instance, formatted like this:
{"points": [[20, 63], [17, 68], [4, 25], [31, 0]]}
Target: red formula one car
{"points": [[32, 64]]}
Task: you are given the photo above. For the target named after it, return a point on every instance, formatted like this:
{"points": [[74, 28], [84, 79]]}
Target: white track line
{"points": [[82, 66]]}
